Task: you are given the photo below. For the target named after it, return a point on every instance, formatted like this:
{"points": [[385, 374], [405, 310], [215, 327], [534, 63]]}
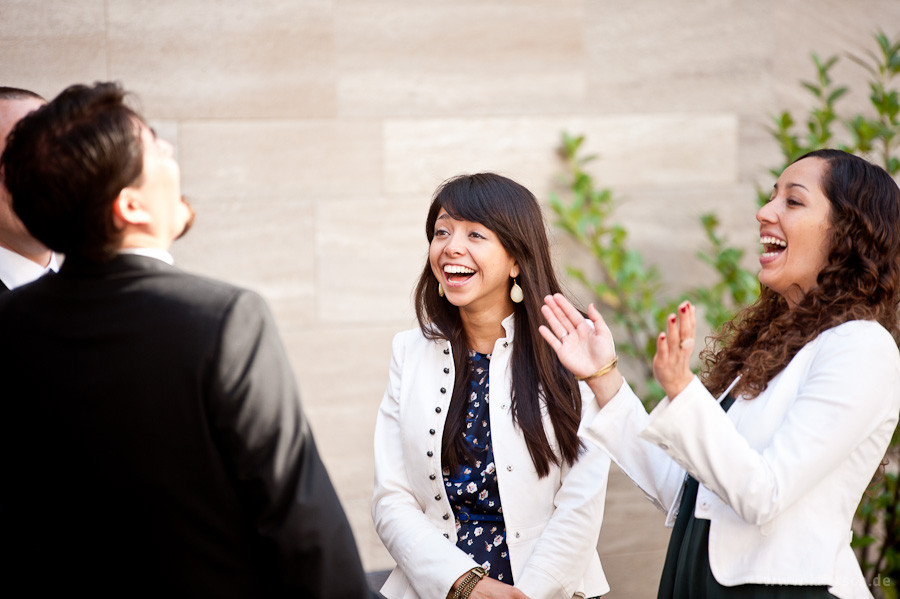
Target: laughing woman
{"points": [[482, 487], [762, 487]]}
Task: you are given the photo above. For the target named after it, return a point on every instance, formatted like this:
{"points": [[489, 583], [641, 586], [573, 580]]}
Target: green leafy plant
{"points": [[875, 137], [624, 285], [631, 291], [880, 136]]}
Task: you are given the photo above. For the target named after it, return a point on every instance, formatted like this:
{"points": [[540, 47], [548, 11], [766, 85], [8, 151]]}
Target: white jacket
{"points": [[552, 523], [780, 475]]}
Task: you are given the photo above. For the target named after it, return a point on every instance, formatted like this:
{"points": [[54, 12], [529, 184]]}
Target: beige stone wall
{"points": [[312, 133]]}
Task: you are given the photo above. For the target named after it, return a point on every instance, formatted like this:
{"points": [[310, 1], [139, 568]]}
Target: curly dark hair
{"points": [[512, 212], [860, 281]]}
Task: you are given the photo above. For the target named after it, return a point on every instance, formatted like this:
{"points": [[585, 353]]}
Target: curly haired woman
{"points": [[762, 488]]}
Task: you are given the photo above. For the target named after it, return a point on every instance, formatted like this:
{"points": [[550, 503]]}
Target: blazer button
{"points": [[446, 516], [431, 431], [509, 468], [517, 534], [446, 351], [506, 344], [446, 371], [432, 476], [446, 536], [443, 389], [438, 497], [438, 409], [430, 453]]}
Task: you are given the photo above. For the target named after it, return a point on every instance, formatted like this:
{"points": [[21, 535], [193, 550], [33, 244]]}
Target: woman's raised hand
{"points": [[582, 348], [672, 362]]}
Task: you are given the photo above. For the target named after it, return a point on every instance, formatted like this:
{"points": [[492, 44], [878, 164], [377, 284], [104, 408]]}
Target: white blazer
{"points": [[552, 523], [780, 475]]}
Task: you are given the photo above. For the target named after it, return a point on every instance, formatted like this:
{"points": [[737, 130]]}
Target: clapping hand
{"points": [[671, 364]]}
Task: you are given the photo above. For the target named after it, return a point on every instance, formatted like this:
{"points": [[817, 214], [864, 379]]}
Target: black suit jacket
{"points": [[153, 443]]}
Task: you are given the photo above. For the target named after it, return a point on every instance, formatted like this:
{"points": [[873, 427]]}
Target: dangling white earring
{"points": [[515, 292], [440, 290]]}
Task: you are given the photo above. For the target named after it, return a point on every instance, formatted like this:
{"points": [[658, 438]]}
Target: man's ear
{"points": [[129, 209]]}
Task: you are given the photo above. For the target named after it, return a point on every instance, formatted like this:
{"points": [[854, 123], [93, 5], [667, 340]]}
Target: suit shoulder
{"points": [[204, 298], [180, 283]]}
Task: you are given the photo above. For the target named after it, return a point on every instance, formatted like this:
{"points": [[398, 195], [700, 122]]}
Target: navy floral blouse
{"points": [[474, 494]]}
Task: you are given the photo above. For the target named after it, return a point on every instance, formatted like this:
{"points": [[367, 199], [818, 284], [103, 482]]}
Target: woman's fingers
{"points": [[570, 312], [681, 331], [673, 335], [550, 337], [561, 315], [677, 338], [671, 364], [662, 349], [553, 320], [686, 327], [595, 316]]}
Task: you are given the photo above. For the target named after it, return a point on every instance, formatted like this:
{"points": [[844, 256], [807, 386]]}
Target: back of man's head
{"points": [[66, 163]]}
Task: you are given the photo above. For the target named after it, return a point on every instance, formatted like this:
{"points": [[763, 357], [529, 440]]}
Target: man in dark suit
{"points": [[22, 257], [152, 438]]}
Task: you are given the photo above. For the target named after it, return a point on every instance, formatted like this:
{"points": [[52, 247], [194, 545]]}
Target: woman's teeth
{"points": [[772, 245], [454, 269], [455, 272]]}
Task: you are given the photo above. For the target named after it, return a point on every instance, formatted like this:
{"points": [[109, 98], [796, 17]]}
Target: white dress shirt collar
{"points": [[17, 270]]}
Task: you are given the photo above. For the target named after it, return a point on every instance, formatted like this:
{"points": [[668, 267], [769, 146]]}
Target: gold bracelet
{"points": [[468, 583], [604, 370]]}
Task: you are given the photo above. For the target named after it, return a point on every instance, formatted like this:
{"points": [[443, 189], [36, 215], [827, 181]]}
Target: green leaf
{"points": [[814, 89], [835, 95]]}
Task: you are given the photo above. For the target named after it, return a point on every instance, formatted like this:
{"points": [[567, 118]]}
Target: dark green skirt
{"points": [[686, 573]]}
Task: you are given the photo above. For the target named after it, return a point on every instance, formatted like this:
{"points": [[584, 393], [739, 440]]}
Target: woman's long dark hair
{"points": [[513, 214], [860, 281]]}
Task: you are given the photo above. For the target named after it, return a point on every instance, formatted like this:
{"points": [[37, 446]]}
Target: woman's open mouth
{"points": [[772, 246], [457, 274]]}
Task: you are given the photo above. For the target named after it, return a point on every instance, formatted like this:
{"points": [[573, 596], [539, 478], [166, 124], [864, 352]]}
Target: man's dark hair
{"points": [[66, 163]]}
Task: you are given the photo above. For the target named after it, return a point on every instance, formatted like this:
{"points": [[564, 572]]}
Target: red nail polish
{"points": [[672, 319], [684, 308]]}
